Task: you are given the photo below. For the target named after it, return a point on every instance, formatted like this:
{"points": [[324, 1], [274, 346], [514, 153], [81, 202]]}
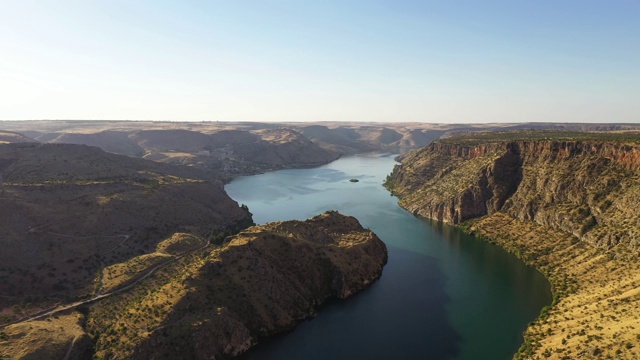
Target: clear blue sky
{"points": [[296, 60]]}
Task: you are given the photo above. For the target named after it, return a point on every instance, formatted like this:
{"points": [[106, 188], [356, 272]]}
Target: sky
{"points": [[449, 61]]}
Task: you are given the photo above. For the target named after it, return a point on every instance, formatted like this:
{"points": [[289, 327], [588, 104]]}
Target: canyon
{"points": [[138, 224], [110, 255], [228, 149], [563, 202]]}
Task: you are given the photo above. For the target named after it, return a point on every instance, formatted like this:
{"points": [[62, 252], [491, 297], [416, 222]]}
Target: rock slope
{"points": [[582, 187], [586, 187], [69, 211], [218, 303]]}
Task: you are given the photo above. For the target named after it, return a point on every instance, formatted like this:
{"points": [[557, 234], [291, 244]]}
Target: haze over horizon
{"points": [[436, 61]]}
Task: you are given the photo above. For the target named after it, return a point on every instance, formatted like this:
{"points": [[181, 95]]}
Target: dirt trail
{"points": [[102, 296], [66, 356]]}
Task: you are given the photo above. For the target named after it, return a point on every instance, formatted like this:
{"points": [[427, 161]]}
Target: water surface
{"points": [[442, 295]]}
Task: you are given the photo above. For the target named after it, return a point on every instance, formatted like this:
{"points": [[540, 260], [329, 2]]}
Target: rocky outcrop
{"points": [[455, 183], [263, 281], [583, 187]]}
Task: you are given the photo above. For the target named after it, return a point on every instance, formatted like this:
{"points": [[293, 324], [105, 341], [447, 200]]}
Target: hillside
{"points": [[70, 212], [8, 137], [223, 153], [564, 202], [216, 302]]}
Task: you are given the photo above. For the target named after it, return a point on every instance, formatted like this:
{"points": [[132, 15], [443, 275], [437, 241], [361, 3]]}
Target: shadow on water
{"points": [[381, 322], [495, 294]]}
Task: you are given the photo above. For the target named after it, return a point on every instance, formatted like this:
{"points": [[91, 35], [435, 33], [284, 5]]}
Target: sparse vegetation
{"points": [[563, 202], [178, 300]]}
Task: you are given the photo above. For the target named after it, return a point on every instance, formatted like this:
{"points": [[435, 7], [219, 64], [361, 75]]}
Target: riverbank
{"points": [[443, 295], [563, 202], [596, 307]]}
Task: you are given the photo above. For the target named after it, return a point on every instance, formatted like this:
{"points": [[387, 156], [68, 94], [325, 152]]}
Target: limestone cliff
{"points": [[564, 202], [587, 187]]}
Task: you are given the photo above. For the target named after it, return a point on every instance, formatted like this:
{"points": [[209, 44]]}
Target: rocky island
{"points": [[565, 203]]}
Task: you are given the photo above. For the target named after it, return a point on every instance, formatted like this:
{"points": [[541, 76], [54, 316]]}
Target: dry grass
{"points": [[46, 339], [179, 243], [124, 273], [263, 281]]}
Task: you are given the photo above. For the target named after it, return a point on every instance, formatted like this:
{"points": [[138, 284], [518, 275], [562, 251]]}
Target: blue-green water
{"points": [[442, 295]]}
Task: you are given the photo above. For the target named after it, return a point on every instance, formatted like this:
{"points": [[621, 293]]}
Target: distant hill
{"points": [[224, 153], [8, 137], [192, 139]]}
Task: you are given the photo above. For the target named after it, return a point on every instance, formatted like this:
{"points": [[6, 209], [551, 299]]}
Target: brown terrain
{"points": [[109, 254], [70, 210], [564, 202], [228, 149], [213, 302], [8, 137], [95, 243]]}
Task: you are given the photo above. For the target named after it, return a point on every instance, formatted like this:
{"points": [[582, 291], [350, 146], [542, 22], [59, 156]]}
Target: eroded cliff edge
{"points": [[565, 203]]}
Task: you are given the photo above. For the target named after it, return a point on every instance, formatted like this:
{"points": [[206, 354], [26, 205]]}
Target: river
{"points": [[442, 295]]}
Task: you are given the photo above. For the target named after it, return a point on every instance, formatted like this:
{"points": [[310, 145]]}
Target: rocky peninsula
{"points": [[215, 302]]}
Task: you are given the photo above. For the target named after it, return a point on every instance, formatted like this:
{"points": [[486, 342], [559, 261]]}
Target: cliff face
{"points": [[585, 188], [566, 206], [265, 280]]}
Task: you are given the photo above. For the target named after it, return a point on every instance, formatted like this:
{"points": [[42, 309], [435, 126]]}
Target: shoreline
{"points": [[586, 283], [479, 234], [562, 202], [559, 261]]}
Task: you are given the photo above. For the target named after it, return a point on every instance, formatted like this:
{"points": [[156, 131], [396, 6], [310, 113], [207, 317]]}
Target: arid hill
{"points": [[8, 137], [564, 202], [234, 152], [224, 153], [228, 149], [70, 211], [215, 302]]}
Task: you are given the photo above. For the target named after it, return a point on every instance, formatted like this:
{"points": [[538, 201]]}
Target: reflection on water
{"points": [[379, 323], [443, 294]]}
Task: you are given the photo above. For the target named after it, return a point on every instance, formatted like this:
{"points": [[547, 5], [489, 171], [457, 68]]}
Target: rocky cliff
{"points": [[218, 303], [587, 186], [564, 202], [110, 256]]}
